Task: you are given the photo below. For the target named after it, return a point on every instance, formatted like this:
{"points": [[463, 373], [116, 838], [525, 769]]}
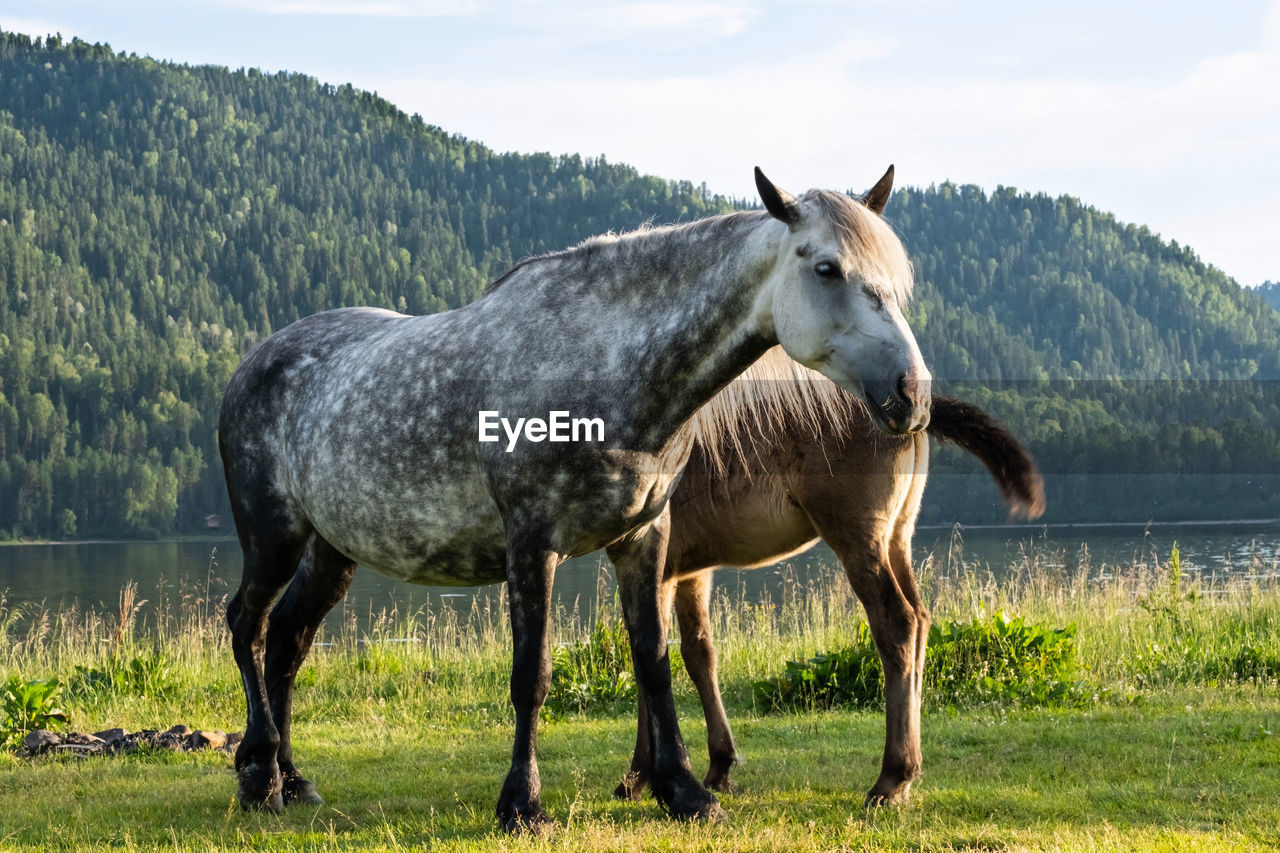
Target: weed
{"points": [[999, 660], [27, 706], [594, 673], [1169, 602], [1002, 660]]}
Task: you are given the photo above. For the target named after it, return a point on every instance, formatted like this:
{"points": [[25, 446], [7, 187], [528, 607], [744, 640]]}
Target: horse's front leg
{"points": [[637, 778], [639, 559], [530, 569]]}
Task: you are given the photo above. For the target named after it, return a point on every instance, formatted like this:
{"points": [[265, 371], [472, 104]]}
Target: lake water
{"points": [[91, 575]]}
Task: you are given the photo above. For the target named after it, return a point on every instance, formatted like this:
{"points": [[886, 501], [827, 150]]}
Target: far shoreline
{"points": [[1224, 522], [230, 536]]}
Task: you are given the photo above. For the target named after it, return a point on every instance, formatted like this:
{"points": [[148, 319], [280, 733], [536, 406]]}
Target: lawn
{"points": [[1170, 740]]}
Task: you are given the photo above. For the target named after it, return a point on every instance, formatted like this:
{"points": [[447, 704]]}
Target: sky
{"points": [[1165, 114]]}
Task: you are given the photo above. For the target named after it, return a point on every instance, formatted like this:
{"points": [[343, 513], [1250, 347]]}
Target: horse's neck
{"points": [[701, 328], [691, 382], [666, 317]]}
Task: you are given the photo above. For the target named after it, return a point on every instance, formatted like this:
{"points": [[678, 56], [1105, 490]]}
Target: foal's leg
{"points": [[900, 563], [639, 560], [531, 567], [269, 562], [862, 545], [693, 600], [322, 580]]}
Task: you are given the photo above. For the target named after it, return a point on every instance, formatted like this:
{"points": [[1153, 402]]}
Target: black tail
{"points": [[1010, 463]]}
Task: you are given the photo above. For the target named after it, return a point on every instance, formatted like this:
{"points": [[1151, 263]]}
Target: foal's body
{"points": [[779, 465]]}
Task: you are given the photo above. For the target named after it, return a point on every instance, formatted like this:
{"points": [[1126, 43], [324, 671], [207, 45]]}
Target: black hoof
{"points": [[631, 787], [881, 795], [260, 789], [700, 805], [709, 812], [519, 810], [299, 792], [534, 823], [722, 784], [252, 800]]}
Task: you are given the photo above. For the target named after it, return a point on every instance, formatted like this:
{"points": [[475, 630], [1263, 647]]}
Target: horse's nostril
{"points": [[907, 386], [914, 388]]}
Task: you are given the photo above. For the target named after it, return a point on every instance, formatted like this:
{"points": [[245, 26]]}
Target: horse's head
{"points": [[836, 296]]}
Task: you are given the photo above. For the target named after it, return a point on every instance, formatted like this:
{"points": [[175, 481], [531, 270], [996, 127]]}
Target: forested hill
{"points": [[1270, 291], [1037, 287], [156, 219]]}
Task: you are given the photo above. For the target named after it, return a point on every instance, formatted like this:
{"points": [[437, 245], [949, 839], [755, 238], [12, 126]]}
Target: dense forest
{"points": [[156, 220], [1270, 291]]}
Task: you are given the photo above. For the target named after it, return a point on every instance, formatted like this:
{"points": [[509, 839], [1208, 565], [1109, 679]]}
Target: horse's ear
{"points": [[878, 196], [780, 203]]}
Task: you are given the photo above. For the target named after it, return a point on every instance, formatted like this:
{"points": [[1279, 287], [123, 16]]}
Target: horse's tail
{"points": [[1010, 464]]}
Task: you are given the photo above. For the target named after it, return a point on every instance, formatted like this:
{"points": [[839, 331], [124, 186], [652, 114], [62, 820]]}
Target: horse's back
{"points": [[265, 386], [339, 424]]}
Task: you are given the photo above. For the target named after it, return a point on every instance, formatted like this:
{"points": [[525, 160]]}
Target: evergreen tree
{"points": [[156, 220]]}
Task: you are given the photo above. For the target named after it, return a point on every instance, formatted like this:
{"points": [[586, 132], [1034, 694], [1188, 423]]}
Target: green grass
{"points": [[1176, 748]]}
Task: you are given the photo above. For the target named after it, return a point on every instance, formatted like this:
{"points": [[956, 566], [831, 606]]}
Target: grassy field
{"points": [[1172, 740]]}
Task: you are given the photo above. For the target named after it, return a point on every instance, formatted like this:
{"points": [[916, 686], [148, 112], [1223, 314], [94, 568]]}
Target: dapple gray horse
{"points": [[352, 437]]}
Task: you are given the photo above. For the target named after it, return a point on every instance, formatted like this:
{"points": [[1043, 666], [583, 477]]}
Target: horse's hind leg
{"points": [[321, 582], [269, 562], [693, 599]]}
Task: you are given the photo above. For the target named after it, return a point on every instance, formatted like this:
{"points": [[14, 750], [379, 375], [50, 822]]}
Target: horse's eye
{"points": [[826, 269]]}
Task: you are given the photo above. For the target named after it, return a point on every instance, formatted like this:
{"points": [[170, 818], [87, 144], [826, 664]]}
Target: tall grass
{"points": [[1145, 624], [1140, 627]]}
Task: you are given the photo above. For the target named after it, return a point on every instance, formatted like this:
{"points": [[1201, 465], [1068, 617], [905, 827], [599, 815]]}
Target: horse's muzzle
{"points": [[899, 407]]}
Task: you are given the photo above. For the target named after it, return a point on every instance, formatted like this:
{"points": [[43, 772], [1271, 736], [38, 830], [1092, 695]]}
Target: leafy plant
{"points": [[998, 660], [593, 673], [29, 705], [848, 677], [1002, 660]]}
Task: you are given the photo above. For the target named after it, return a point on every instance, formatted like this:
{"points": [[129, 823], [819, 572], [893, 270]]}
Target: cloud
{"points": [[359, 8], [553, 26], [30, 26], [629, 19], [586, 21], [1148, 149]]}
